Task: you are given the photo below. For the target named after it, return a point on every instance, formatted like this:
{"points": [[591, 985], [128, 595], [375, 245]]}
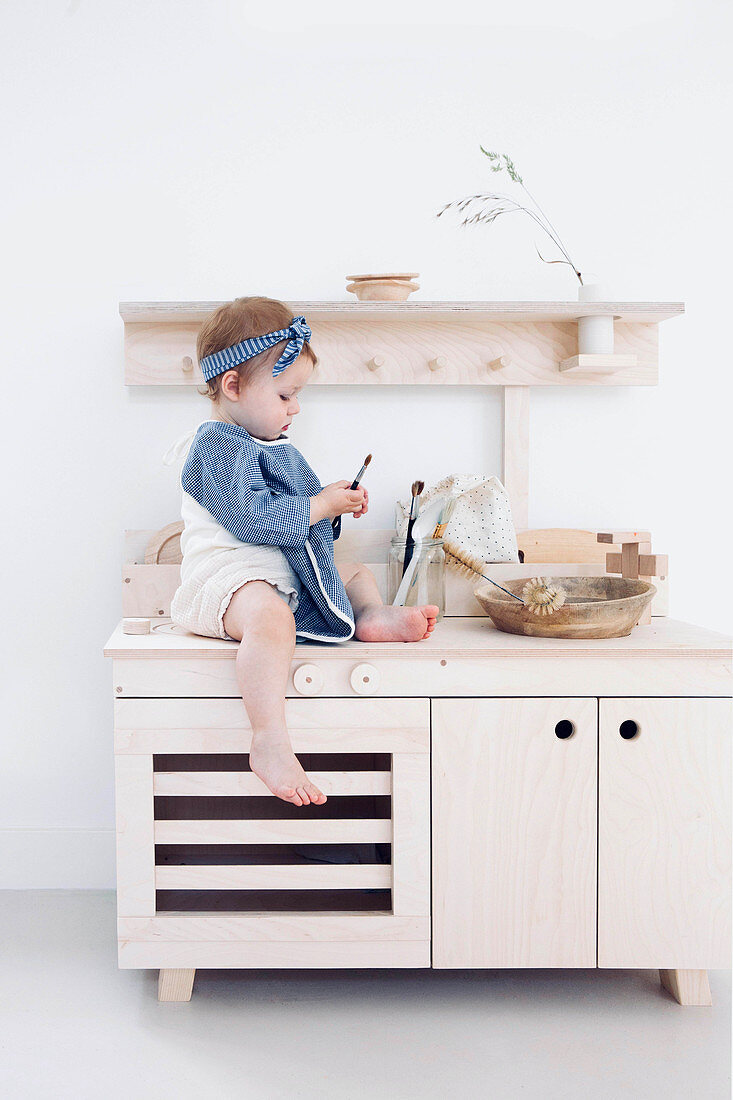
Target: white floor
{"points": [[73, 1025]]}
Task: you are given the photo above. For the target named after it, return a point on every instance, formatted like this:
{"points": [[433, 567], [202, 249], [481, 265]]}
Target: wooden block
{"points": [[653, 565], [621, 537], [136, 626]]}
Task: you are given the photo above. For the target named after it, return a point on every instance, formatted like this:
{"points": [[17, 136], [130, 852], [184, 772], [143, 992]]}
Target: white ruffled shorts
{"points": [[201, 600]]}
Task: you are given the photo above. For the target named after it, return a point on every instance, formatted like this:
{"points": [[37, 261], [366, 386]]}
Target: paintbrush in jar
{"points": [[336, 524], [416, 489]]}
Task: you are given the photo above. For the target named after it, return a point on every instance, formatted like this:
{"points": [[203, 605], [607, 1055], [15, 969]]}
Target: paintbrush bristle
{"points": [[367, 460], [417, 488]]}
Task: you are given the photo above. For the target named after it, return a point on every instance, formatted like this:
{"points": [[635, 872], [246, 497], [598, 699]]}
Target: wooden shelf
{"points": [[646, 312]]}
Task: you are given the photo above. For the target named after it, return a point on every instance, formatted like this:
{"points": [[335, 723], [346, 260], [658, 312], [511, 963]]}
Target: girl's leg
{"points": [[377, 622], [266, 627]]}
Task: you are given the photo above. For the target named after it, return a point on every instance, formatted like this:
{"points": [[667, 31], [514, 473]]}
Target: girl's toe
{"points": [[304, 795]]}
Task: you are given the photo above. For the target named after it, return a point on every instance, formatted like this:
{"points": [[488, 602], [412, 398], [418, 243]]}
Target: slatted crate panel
{"points": [[201, 839]]}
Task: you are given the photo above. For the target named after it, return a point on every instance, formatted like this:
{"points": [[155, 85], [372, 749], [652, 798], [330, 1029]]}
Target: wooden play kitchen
{"points": [[494, 799]]}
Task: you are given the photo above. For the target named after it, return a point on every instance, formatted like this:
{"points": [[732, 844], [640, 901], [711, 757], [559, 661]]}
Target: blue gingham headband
{"points": [[297, 332]]}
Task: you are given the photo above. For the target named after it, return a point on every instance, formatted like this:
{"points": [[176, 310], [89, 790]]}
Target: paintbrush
{"points": [[354, 485], [416, 488]]}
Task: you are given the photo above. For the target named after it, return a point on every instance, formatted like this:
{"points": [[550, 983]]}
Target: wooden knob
{"points": [[136, 626], [308, 679], [364, 679], [438, 363], [187, 364], [498, 363], [376, 362]]}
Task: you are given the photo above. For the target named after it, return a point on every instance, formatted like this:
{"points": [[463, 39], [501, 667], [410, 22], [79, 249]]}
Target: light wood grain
{"points": [[342, 954], [348, 345], [347, 876], [318, 831], [464, 676], [688, 987], [134, 835], [514, 833], [410, 833], [664, 834], [647, 312], [452, 638], [175, 985], [269, 926], [228, 784], [516, 453]]}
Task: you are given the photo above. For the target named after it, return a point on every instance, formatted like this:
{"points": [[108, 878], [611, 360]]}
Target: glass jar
{"points": [[427, 569]]}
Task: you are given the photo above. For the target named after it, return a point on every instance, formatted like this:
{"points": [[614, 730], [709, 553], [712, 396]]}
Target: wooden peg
{"points": [[501, 361], [438, 363], [187, 364], [376, 362]]}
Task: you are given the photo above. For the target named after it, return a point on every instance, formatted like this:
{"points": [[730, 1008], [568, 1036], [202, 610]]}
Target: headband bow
{"points": [[296, 334]]}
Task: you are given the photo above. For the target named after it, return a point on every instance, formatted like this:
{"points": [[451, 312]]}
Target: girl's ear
{"points": [[230, 384]]}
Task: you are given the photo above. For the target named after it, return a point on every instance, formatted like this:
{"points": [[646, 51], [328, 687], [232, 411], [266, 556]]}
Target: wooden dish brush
{"points": [[539, 594]]}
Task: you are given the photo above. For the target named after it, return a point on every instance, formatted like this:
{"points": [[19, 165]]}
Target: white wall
{"points": [[180, 150]]}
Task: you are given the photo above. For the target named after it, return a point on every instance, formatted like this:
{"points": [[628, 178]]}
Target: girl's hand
{"points": [[336, 499], [365, 505]]}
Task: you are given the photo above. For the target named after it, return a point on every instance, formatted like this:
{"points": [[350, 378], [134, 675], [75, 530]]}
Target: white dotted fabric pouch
{"points": [[481, 523]]}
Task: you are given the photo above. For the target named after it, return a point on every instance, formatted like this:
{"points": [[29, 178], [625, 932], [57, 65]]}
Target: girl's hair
{"points": [[238, 320]]}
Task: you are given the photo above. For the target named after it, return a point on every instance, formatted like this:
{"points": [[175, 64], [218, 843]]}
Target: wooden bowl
{"points": [[596, 607], [382, 288]]}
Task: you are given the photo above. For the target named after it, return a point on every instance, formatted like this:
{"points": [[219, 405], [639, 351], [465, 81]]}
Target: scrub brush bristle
{"points": [[468, 563], [539, 595], [542, 597]]}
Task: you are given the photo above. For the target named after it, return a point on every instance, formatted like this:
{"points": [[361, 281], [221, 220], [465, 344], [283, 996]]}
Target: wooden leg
{"points": [[688, 987], [175, 985]]}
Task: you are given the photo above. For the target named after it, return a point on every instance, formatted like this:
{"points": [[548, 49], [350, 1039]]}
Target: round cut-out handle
{"points": [[308, 679], [364, 679]]}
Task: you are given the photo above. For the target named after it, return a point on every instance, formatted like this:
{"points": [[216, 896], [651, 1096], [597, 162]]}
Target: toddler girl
{"points": [[257, 546]]}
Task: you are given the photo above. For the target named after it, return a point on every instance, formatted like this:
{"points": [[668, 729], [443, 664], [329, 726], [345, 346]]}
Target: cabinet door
{"points": [[213, 870], [514, 832], [664, 833]]}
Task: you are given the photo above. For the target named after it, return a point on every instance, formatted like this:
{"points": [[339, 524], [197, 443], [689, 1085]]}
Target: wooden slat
{"points": [[303, 715], [187, 740], [247, 783], [134, 835], [277, 831], [275, 926], [410, 833], [276, 955], [323, 876]]}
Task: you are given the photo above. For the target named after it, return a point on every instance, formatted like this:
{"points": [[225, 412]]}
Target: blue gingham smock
{"points": [[259, 490]]}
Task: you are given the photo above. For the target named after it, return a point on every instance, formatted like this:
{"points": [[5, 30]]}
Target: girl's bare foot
{"points": [[385, 623], [272, 759]]}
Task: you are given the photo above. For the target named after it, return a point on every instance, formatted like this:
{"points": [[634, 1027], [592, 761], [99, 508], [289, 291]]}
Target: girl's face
{"points": [[265, 407]]}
